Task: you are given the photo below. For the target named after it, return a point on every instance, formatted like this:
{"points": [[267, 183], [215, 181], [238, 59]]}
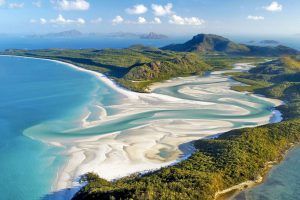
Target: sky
{"points": [[173, 17]]}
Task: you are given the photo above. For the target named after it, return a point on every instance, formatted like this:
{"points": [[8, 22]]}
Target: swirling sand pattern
{"points": [[132, 132]]}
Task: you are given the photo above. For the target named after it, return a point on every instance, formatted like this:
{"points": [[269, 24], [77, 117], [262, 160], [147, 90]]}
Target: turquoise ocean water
{"points": [[282, 183], [56, 97], [33, 91]]}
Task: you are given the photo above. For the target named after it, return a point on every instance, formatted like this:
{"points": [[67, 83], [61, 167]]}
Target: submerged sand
{"points": [[158, 141]]}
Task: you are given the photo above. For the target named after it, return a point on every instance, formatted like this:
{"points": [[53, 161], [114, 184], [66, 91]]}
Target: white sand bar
{"points": [[149, 131]]}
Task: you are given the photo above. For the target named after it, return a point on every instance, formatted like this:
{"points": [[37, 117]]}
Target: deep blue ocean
{"points": [[23, 42]]}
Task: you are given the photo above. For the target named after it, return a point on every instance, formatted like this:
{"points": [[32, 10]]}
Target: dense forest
{"points": [[230, 159]]}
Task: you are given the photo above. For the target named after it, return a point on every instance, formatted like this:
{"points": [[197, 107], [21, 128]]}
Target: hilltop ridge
{"points": [[208, 43]]}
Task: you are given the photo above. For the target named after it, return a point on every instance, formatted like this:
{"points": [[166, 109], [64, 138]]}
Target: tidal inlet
{"points": [[103, 128]]}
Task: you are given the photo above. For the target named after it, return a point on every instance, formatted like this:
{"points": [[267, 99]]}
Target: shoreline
{"points": [[77, 155], [234, 191]]}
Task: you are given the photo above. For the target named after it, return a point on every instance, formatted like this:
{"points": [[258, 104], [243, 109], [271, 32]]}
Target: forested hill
{"points": [[135, 67], [208, 43]]}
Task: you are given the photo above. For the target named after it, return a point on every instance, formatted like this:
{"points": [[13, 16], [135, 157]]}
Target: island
{"points": [[75, 33], [153, 36], [219, 166], [269, 42], [63, 34]]}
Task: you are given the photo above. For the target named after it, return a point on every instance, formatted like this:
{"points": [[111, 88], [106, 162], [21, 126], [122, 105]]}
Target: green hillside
{"points": [[134, 68], [209, 43]]}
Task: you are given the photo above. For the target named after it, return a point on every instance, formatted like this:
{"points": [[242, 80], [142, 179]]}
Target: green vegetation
{"points": [[220, 163], [277, 79], [208, 43], [134, 68], [224, 62], [292, 64], [137, 67]]}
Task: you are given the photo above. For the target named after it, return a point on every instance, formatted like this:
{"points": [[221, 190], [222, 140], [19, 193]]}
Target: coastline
{"points": [[229, 193], [79, 156], [189, 152]]}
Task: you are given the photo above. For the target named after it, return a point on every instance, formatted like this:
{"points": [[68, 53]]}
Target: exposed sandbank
{"points": [[157, 141]]}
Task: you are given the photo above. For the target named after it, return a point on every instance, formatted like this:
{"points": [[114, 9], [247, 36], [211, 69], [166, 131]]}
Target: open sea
{"points": [[35, 91]]}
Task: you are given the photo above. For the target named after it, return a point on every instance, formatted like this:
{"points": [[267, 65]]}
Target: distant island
{"points": [[153, 36], [269, 42], [76, 33], [251, 42], [122, 34], [220, 166], [264, 42], [70, 33]]}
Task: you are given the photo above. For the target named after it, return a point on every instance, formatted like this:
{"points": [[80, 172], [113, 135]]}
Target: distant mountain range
{"points": [[76, 33], [208, 43]]}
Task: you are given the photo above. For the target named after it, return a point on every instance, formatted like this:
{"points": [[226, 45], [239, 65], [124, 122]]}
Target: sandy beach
{"points": [[160, 139]]}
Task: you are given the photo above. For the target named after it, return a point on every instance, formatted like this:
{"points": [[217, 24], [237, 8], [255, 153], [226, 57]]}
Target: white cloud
{"points": [[16, 5], [157, 20], [274, 7], [118, 20], [80, 21], [37, 4], [142, 20], [256, 18], [137, 9], [2, 2], [194, 21], [96, 21], [43, 21], [160, 10], [73, 4], [60, 20], [175, 19]]}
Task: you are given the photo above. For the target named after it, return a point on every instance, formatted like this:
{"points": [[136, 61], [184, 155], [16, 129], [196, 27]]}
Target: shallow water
{"points": [[32, 92], [282, 183], [44, 101]]}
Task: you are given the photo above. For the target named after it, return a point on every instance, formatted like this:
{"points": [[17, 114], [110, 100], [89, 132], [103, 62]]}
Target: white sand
{"points": [[138, 149]]}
